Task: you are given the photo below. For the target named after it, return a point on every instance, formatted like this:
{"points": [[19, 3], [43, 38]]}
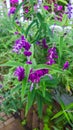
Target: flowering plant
{"points": [[43, 56]]}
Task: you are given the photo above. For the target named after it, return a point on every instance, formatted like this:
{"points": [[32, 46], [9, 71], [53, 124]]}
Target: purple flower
{"points": [[69, 10], [46, 7], [29, 62], [38, 42], [50, 62], [13, 1], [16, 33], [52, 55], [59, 7], [20, 73], [21, 43], [35, 76], [17, 46], [26, 10], [44, 43], [11, 11], [0, 86], [27, 45], [27, 53], [66, 65]]}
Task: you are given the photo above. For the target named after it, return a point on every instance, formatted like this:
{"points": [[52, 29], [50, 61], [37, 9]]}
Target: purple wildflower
{"points": [[27, 53], [13, 1], [46, 7], [17, 46], [21, 43], [69, 10], [59, 7], [26, 10], [27, 45], [44, 43], [29, 62], [20, 73], [16, 33], [11, 11], [66, 65], [50, 62], [52, 55], [35, 76]]}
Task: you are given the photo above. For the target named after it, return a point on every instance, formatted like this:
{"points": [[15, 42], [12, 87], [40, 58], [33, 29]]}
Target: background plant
{"points": [[35, 32]]}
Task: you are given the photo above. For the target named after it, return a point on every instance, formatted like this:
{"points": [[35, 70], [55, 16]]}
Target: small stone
{"points": [[5, 118], [9, 121], [1, 122], [2, 114], [1, 126]]}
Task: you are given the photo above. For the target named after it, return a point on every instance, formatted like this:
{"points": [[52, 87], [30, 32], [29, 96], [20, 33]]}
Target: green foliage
{"points": [[35, 31]]}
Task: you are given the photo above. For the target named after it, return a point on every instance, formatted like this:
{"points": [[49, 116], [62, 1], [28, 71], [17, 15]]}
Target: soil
{"points": [[14, 126]]}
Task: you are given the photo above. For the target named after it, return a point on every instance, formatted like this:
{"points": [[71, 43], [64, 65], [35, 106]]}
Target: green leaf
{"points": [[12, 63], [17, 9], [30, 26], [39, 16], [23, 90], [40, 105], [63, 1], [30, 100], [57, 115]]}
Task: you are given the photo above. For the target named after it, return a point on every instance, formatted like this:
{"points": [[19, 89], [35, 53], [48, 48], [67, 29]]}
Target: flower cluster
{"points": [[46, 7], [58, 7], [52, 55], [20, 73], [35, 76], [22, 43], [69, 10], [66, 65], [12, 10], [13, 2]]}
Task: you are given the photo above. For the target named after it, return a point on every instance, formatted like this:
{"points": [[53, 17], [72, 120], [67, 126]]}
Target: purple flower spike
{"points": [[20, 73], [27, 53], [66, 65], [12, 11]]}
